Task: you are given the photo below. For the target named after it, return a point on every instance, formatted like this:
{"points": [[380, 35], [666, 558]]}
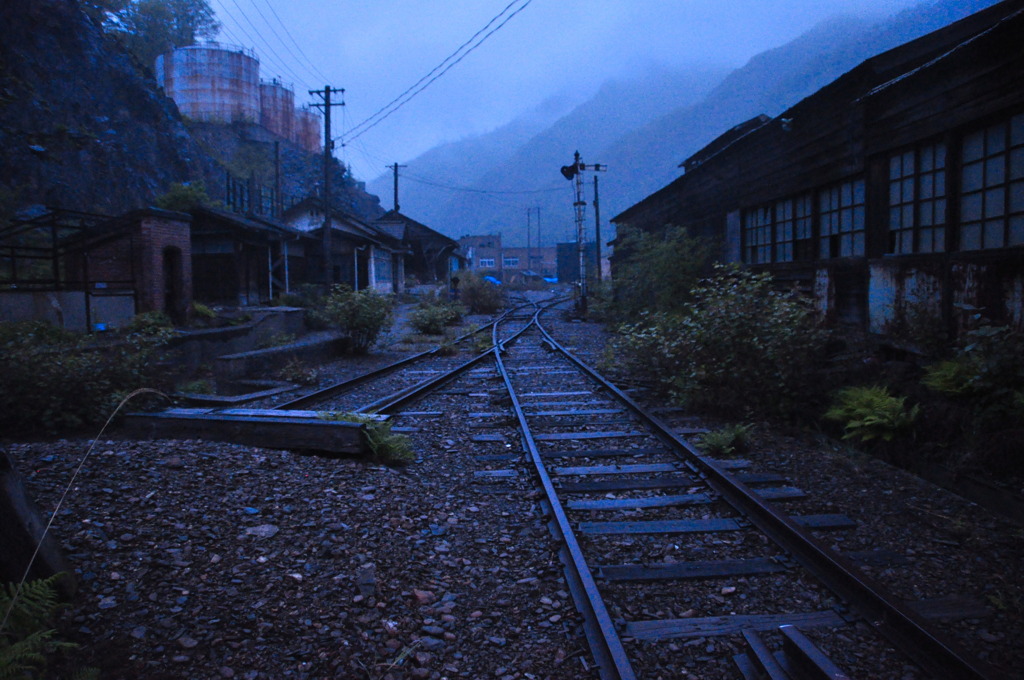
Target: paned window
{"points": [[510, 262], [757, 235], [917, 200], [793, 229], [841, 210], [992, 186], [486, 262]]}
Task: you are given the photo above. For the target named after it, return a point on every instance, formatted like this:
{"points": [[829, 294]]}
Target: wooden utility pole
{"points": [[326, 105], [597, 229], [395, 168]]}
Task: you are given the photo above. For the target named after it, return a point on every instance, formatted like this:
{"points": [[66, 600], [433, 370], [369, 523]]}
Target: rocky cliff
{"points": [[85, 127]]}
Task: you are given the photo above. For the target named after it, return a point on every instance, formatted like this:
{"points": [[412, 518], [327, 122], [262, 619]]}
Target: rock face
{"points": [[83, 126]]}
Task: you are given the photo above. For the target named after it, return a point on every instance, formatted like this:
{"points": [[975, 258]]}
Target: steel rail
{"points": [[390, 403], [351, 383], [903, 627], [611, 657]]}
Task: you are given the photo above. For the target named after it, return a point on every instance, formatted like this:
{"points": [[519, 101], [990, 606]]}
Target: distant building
{"points": [[894, 192], [486, 253], [430, 255]]}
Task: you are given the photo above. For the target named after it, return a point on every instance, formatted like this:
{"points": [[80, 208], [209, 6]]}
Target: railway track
{"points": [[651, 531]]}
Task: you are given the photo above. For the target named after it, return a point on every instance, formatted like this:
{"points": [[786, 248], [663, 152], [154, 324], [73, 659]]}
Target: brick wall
{"points": [[163, 239]]}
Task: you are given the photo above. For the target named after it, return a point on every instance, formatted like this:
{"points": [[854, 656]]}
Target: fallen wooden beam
{"points": [[293, 430]]}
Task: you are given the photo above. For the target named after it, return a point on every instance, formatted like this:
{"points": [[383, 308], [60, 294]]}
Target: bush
{"points": [[28, 642], [737, 347], [361, 315], [727, 440], [432, 319], [51, 379], [868, 413], [480, 296], [656, 271], [988, 375], [387, 447]]}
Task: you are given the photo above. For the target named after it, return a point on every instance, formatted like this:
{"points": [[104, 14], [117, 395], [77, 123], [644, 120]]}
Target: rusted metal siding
{"points": [[277, 108], [212, 82], [307, 130]]}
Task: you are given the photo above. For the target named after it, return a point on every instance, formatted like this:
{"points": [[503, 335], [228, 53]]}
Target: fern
{"points": [[871, 413], [387, 447], [27, 641]]}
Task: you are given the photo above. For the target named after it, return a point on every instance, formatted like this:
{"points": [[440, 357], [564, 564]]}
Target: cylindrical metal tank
{"points": [[277, 108], [212, 82], [307, 130]]}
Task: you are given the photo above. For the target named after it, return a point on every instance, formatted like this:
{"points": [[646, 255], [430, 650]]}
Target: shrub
{"points": [[361, 315], [297, 371], [657, 271], [988, 374], [433, 319], [868, 413], [51, 379], [727, 440], [480, 296], [737, 347]]}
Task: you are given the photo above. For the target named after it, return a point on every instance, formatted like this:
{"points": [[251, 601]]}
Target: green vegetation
{"points": [[361, 315], [28, 643], [298, 372], [52, 379], [276, 340], [148, 28], [727, 441], [872, 413], [478, 295], [433, 314], [657, 272], [737, 347], [199, 386], [387, 447], [182, 197]]}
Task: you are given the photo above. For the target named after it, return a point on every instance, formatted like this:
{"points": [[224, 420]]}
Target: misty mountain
{"points": [[641, 128]]}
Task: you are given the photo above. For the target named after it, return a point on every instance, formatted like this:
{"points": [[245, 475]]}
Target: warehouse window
{"points": [[841, 210], [757, 235], [917, 200], [486, 262], [510, 262], [992, 186], [793, 223]]}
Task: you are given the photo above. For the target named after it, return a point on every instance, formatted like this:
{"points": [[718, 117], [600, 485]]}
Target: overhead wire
{"points": [[315, 70], [277, 62], [386, 111], [277, 35]]}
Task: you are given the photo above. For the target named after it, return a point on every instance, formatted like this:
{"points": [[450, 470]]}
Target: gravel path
{"points": [[209, 560]]}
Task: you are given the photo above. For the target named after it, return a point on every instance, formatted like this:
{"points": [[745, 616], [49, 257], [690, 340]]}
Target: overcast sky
{"points": [[377, 49]]}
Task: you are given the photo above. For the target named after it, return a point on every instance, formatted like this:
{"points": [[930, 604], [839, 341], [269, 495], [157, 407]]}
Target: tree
{"points": [[655, 271], [148, 28]]}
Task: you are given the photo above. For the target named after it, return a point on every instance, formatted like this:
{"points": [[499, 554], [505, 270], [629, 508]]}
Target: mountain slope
{"points": [[644, 128]]}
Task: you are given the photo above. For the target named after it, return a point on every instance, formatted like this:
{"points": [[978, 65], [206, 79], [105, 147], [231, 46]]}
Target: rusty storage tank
{"points": [[277, 107], [212, 82], [307, 129]]}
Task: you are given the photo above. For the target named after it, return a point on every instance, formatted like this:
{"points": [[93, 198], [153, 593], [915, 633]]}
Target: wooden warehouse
{"points": [[895, 191]]}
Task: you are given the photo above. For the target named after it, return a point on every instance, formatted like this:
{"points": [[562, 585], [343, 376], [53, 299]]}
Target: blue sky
{"points": [[562, 49]]}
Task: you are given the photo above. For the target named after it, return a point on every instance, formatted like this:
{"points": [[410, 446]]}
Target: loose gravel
{"points": [[199, 559]]}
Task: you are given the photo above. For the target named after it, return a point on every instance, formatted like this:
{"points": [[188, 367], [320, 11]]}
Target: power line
{"points": [[380, 116], [279, 38], [314, 71], [428, 182], [279, 63]]}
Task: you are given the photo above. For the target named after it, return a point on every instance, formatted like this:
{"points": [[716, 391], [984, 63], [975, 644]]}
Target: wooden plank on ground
{"points": [[666, 629], [573, 436], [824, 521], [672, 526], [627, 484], [280, 431], [639, 468], [575, 412], [599, 453], [488, 438], [637, 503], [781, 493], [690, 570], [951, 608], [761, 478]]}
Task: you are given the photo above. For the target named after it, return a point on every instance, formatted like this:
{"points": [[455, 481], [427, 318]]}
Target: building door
{"points": [[173, 285]]}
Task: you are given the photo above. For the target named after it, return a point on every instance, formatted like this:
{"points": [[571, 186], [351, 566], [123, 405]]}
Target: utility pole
{"points": [[326, 105], [528, 211], [575, 172], [395, 168], [597, 229]]}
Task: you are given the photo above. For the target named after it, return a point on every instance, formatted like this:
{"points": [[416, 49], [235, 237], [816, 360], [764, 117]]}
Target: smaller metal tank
{"points": [[307, 130], [277, 108]]}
